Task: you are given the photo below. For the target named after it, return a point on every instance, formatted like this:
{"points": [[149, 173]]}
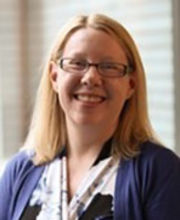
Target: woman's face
{"points": [[90, 98]]}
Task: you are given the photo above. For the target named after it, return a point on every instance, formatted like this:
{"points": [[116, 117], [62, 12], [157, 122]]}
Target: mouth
{"points": [[89, 98]]}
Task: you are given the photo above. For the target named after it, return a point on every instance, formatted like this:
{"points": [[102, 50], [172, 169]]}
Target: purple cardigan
{"points": [[147, 186]]}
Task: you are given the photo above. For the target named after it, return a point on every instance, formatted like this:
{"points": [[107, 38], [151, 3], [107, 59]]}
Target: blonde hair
{"points": [[47, 133]]}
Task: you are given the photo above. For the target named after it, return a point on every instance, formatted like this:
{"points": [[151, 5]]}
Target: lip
{"points": [[91, 102], [90, 94]]}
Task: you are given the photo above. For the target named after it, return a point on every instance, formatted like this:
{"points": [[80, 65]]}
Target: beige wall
{"points": [[27, 29], [176, 60], [11, 84]]}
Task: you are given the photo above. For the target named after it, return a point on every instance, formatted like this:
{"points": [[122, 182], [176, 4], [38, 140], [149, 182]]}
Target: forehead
{"points": [[93, 42]]}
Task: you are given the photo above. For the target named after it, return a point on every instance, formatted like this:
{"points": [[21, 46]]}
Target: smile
{"points": [[89, 98]]}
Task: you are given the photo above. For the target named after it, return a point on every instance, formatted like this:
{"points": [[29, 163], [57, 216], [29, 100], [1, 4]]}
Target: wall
{"points": [[27, 30]]}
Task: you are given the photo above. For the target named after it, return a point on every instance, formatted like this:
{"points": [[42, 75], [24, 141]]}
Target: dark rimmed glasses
{"points": [[107, 69]]}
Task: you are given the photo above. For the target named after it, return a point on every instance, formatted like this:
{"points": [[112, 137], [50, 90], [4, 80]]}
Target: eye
{"points": [[112, 69], [109, 66], [77, 64]]}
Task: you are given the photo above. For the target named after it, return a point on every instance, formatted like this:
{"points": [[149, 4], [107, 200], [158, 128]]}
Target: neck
{"points": [[87, 140]]}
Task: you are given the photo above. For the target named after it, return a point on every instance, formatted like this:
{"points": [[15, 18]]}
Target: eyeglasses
{"points": [[107, 69]]}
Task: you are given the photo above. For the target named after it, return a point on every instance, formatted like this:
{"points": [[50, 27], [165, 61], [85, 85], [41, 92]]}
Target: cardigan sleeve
{"points": [[161, 185], [8, 182]]}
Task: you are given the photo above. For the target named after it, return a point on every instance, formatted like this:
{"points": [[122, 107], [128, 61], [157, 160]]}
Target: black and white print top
{"points": [[93, 198]]}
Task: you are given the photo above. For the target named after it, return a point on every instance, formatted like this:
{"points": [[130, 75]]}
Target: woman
{"points": [[91, 152]]}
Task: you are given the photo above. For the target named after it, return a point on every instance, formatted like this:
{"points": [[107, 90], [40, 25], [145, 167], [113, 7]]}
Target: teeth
{"points": [[89, 98]]}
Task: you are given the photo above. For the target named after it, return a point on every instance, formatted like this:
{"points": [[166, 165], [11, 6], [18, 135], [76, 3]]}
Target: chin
{"points": [[87, 120]]}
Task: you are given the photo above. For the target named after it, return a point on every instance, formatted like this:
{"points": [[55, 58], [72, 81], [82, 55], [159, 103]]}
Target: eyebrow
{"points": [[84, 55], [77, 54]]}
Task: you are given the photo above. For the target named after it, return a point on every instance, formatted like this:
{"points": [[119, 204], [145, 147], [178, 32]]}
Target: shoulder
{"points": [[152, 148], [151, 179], [22, 156], [17, 182], [20, 161], [154, 155], [155, 166], [157, 172]]}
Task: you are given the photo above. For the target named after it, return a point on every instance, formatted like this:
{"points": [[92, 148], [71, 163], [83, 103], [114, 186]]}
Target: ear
{"points": [[53, 69], [132, 86]]}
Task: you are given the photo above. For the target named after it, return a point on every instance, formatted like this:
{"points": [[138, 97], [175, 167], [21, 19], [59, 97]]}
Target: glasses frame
{"points": [[127, 68]]}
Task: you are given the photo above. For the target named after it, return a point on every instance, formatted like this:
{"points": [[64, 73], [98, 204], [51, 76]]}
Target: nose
{"points": [[92, 77]]}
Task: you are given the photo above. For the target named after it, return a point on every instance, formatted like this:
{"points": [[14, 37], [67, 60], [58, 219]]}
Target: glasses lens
{"points": [[74, 65], [112, 69]]}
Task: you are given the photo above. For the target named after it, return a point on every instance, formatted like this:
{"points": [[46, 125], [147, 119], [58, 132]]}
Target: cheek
{"points": [[68, 81], [120, 89], [63, 94], [119, 94], [125, 90], [66, 87]]}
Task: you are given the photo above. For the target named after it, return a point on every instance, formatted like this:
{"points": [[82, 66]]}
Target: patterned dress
{"points": [[93, 198]]}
